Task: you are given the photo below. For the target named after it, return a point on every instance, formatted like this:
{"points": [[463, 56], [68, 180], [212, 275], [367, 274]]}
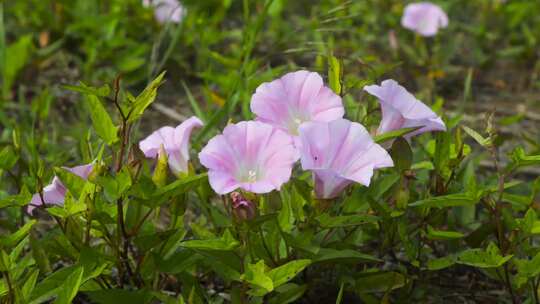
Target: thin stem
{"points": [[535, 285], [10, 287], [534, 290]]}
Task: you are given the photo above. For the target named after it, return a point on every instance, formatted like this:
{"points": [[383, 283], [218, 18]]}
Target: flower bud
{"points": [[242, 208], [160, 172]]}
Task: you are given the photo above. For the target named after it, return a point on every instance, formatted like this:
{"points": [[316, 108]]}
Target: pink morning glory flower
{"points": [[250, 155], [175, 142], [424, 18], [400, 109], [166, 10], [295, 98], [339, 153], [55, 192]]}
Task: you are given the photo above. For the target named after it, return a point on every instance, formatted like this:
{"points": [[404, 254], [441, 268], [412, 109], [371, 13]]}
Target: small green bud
{"points": [[162, 168]]}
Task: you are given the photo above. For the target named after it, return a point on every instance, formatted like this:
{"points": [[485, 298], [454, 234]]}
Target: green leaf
{"points": [[453, 150], [288, 293], [179, 261], [484, 142], [5, 261], [443, 235], [526, 270], [152, 239], [380, 281], [73, 206], [334, 74], [255, 275], [536, 228], [8, 158], [401, 154], [70, 287], [194, 104], [17, 56], [327, 221], [441, 263], [285, 215], [224, 243], [520, 159], [102, 122], [73, 182], [286, 272], [103, 91], [344, 255], [451, 200], [223, 268], [20, 199], [115, 186], [30, 284], [115, 296], [146, 98], [489, 258], [180, 186], [13, 239], [48, 288], [394, 134]]}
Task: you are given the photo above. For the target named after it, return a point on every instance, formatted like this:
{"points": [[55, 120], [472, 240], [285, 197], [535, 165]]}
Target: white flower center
{"points": [[294, 123], [252, 176]]}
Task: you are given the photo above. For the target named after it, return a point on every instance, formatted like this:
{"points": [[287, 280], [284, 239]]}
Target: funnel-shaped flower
{"points": [[424, 18], [175, 141], [339, 153], [250, 155], [55, 192], [166, 10], [295, 98], [400, 109]]}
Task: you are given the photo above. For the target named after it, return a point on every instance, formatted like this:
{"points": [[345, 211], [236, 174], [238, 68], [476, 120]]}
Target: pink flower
{"points": [[166, 10], [339, 153], [55, 192], [400, 109], [295, 98], [250, 155], [424, 18], [175, 141]]}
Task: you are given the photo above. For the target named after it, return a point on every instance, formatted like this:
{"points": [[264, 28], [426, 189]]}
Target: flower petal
{"points": [[400, 109], [166, 10], [295, 98], [337, 152], [179, 155], [81, 171], [150, 146], [424, 18], [251, 155], [53, 194], [175, 141]]}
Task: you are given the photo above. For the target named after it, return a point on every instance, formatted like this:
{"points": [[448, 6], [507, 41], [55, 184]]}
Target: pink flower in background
{"points": [[166, 10], [296, 98], [400, 109], [175, 141], [55, 192], [339, 153], [424, 18], [250, 155]]}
